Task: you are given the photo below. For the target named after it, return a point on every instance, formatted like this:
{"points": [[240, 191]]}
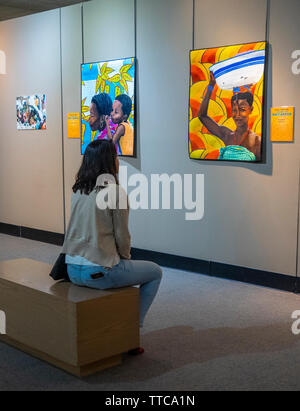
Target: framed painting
{"points": [[110, 86], [31, 112], [226, 104]]}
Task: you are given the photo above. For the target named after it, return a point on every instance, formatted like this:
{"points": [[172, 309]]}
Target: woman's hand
{"points": [[106, 119], [109, 135]]}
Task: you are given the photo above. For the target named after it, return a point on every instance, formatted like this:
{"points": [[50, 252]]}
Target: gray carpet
{"points": [[201, 333]]}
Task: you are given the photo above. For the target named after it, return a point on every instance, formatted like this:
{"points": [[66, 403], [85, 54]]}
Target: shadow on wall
{"points": [[172, 348], [2, 62]]}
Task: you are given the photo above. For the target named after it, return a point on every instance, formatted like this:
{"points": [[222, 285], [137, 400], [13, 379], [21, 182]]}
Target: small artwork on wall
{"points": [[113, 84], [227, 102], [31, 112]]}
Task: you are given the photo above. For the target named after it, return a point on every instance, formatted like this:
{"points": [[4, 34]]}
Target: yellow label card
{"points": [[282, 123], [73, 124]]}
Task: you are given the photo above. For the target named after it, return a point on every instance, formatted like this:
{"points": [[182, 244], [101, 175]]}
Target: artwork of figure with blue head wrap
{"points": [[107, 104]]}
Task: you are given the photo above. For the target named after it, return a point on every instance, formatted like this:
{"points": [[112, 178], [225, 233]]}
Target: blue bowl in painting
{"points": [[242, 70]]}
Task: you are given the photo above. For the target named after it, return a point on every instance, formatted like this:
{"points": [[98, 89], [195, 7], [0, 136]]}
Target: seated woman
{"points": [[97, 241]]}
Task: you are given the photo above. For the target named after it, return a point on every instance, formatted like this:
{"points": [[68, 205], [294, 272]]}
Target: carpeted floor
{"points": [[201, 333]]}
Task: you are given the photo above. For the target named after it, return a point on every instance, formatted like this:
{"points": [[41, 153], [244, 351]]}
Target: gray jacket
{"points": [[99, 235]]}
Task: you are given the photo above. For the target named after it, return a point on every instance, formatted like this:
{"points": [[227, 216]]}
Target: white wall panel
{"points": [[284, 38], [31, 161], [71, 81], [250, 211], [108, 30]]}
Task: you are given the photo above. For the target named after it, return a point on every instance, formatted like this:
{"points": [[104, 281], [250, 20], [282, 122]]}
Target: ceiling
{"points": [[10, 9]]}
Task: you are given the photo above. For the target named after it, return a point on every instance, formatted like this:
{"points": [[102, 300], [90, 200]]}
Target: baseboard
{"points": [[172, 261], [43, 236], [32, 234], [226, 271], [10, 229], [214, 269]]}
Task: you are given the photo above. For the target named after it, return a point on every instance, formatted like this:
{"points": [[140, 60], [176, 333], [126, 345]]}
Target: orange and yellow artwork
{"points": [[226, 102]]}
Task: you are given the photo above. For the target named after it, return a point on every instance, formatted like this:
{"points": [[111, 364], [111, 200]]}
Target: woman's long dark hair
{"points": [[99, 158]]}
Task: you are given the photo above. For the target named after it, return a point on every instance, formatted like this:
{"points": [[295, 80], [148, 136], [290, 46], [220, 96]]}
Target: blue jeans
{"points": [[126, 273]]}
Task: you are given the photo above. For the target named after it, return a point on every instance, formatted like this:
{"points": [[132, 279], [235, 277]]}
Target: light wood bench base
{"points": [[82, 371], [78, 329]]}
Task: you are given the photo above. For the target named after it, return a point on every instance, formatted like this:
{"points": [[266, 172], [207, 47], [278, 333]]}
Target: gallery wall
{"points": [[31, 183], [251, 210], [284, 38]]}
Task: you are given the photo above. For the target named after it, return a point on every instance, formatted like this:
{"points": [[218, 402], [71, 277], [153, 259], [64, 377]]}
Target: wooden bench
{"points": [[78, 329]]}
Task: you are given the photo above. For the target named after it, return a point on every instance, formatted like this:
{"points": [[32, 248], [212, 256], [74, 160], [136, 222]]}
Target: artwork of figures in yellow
{"points": [[226, 100]]}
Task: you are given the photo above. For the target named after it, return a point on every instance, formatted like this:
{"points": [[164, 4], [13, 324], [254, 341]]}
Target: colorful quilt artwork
{"points": [[226, 102], [31, 112], [117, 79]]}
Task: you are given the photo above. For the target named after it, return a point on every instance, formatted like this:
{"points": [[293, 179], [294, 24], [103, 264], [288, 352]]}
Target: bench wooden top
{"points": [[35, 275]]}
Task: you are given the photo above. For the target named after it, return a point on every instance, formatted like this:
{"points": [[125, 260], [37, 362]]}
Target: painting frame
{"points": [[133, 97], [264, 103], [31, 112]]}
